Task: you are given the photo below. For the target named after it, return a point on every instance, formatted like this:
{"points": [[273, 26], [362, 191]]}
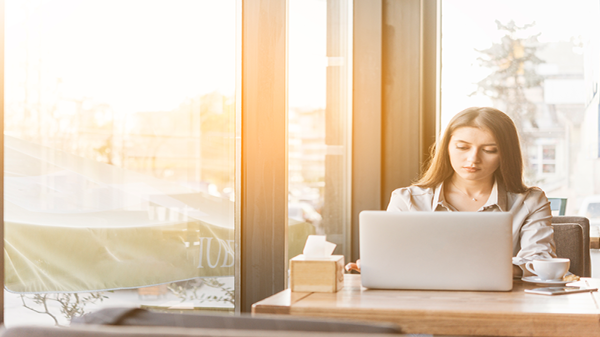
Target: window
{"points": [[319, 120], [513, 56], [139, 50], [543, 159], [120, 156]]}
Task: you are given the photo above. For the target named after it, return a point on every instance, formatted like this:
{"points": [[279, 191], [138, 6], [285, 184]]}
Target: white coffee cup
{"points": [[551, 269]]}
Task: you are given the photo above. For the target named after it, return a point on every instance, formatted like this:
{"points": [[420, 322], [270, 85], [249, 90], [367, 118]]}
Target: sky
{"points": [[136, 55], [307, 45], [149, 55]]}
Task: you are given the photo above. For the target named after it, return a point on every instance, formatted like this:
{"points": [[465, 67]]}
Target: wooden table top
{"points": [[513, 313]]}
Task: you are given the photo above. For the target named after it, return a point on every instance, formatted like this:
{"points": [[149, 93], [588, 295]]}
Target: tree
{"points": [[513, 62]]}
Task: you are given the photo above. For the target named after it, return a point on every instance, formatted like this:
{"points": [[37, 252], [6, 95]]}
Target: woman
{"points": [[477, 167]]}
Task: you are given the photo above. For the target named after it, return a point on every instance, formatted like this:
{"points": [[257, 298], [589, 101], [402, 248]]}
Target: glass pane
{"points": [[549, 168], [511, 55], [119, 156], [549, 152], [592, 210], [319, 117]]}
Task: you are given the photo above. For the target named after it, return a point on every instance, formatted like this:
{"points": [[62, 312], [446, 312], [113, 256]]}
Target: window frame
{"points": [[2, 13], [382, 111], [396, 103]]}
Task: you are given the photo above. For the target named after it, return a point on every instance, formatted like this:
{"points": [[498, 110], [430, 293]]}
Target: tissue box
{"points": [[324, 274]]}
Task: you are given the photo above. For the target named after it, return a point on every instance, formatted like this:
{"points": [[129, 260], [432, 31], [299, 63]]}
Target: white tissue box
{"points": [[325, 275]]}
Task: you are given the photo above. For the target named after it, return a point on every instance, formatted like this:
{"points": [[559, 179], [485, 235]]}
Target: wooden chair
{"points": [[572, 238]]}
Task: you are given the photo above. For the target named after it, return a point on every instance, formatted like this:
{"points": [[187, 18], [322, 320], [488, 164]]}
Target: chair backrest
{"points": [[572, 238], [558, 204]]}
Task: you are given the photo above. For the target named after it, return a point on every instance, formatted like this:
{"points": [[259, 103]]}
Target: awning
{"points": [[77, 225]]}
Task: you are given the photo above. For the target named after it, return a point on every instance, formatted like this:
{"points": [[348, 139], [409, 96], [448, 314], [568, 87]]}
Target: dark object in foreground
{"points": [[142, 317]]}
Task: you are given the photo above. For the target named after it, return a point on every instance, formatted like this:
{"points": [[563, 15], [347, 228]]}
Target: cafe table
{"points": [[464, 313]]}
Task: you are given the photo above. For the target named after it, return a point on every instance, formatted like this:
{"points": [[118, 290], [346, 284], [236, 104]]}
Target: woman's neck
{"points": [[466, 195], [472, 187]]}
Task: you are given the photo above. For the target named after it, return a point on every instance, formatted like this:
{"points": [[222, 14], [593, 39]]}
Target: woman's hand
{"points": [[353, 266]]}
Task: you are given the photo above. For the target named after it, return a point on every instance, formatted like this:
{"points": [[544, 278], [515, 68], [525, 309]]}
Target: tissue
{"points": [[316, 247]]}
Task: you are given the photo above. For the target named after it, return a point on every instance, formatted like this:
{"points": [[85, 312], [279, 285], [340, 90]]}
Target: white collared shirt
{"points": [[533, 236]]}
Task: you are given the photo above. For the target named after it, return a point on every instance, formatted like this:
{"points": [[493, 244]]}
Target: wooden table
{"points": [[514, 313]]}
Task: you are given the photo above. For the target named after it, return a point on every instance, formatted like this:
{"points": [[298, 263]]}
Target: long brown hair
{"points": [[510, 171]]}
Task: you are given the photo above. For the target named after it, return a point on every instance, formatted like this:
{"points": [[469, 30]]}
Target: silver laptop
{"points": [[436, 250]]}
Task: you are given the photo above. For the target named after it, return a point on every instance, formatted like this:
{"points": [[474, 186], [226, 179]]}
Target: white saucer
{"points": [[535, 279]]}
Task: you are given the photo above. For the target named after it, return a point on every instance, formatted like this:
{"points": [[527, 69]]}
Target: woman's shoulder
{"points": [[411, 198], [534, 192], [414, 198], [413, 190], [533, 197]]}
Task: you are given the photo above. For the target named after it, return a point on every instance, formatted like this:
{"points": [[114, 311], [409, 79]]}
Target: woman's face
{"points": [[474, 154]]}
